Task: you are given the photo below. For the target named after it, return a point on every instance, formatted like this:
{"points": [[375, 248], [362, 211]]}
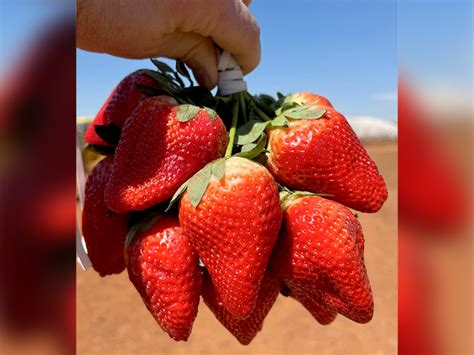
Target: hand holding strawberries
{"points": [[184, 30], [238, 236]]}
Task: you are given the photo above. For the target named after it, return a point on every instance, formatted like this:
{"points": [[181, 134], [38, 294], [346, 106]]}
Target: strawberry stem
{"points": [[233, 127], [262, 115], [243, 106]]}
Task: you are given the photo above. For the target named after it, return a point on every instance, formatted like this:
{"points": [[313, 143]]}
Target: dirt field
{"points": [[111, 318]]}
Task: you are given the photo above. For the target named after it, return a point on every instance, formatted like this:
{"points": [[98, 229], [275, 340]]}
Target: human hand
{"points": [[185, 30]]}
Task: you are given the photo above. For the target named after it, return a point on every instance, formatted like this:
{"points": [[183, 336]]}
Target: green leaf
{"points": [[305, 114], [109, 133], [200, 95], [286, 107], [252, 115], [187, 112], [212, 114], [178, 79], [149, 91], [181, 69], [131, 234], [251, 131], [267, 101], [218, 168], [288, 98], [165, 81], [280, 121], [141, 228], [177, 194], [162, 66], [198, 185], [253, 150]]}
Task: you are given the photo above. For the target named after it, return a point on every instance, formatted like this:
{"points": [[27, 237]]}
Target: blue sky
{"points": [[343, 49], [435, 41]]}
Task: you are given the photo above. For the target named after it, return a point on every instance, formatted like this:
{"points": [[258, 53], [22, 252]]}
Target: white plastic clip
{"points": [[231, 79], [81, 249]]}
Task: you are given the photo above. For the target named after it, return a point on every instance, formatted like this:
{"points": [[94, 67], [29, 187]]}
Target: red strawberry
{"points": [[416, 324], [157, 153], [233, 229], [319, 255], [423, 175], [309, 98], [243, 329], [325, 156], [121, 102], [104, 231], [164, 268], [90, 136], [317, 310]]}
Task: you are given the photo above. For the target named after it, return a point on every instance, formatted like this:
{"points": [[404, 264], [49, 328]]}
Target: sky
{"points": [[346, 50]]}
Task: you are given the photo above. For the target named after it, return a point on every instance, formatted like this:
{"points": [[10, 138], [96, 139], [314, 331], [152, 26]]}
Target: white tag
{"points": [[231, 79], [81, 249]]}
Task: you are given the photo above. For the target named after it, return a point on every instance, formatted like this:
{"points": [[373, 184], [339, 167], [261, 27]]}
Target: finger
{"points": [[239, 34], [247, 2], [230, 25], [196, 51]]}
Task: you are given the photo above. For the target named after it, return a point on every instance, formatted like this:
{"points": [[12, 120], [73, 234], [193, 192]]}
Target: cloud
{"points": [[386, 96], [369, 127]]}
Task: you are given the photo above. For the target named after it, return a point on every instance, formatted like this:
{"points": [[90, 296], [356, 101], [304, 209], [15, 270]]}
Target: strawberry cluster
{"points": [[235, 199]]}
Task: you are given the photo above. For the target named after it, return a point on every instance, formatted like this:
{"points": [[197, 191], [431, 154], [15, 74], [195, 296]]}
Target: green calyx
{"points": [[187, 112], [141, 227], [198, 183], [288, 197], [248, 119], [172, 83]]}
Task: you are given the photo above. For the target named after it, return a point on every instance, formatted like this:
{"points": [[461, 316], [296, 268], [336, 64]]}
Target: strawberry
{"points": [[319, 255], [104, 231], [233, 229], [325, 156], [417, 333], [157, 153], [164, 269], [322, 315], [120, 104], [423, 175], [243, 329], [90, 135], [310, 99]]}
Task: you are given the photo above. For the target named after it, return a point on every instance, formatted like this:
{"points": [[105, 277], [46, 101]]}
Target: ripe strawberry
{"points": [[121, 102], [233, 229], [309, 98], [164, 269], [417, 333], [157, 153], [243, 329], [325, 156], [90, 136], [424, 174], [322, 315], [319, 255], [104, 231]]}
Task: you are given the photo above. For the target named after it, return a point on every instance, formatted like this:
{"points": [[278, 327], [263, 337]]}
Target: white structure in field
{"points": [[373, 128]]}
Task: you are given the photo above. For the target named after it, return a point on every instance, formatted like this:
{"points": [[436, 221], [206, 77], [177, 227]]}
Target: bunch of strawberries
{"points": [[233, 198]]}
